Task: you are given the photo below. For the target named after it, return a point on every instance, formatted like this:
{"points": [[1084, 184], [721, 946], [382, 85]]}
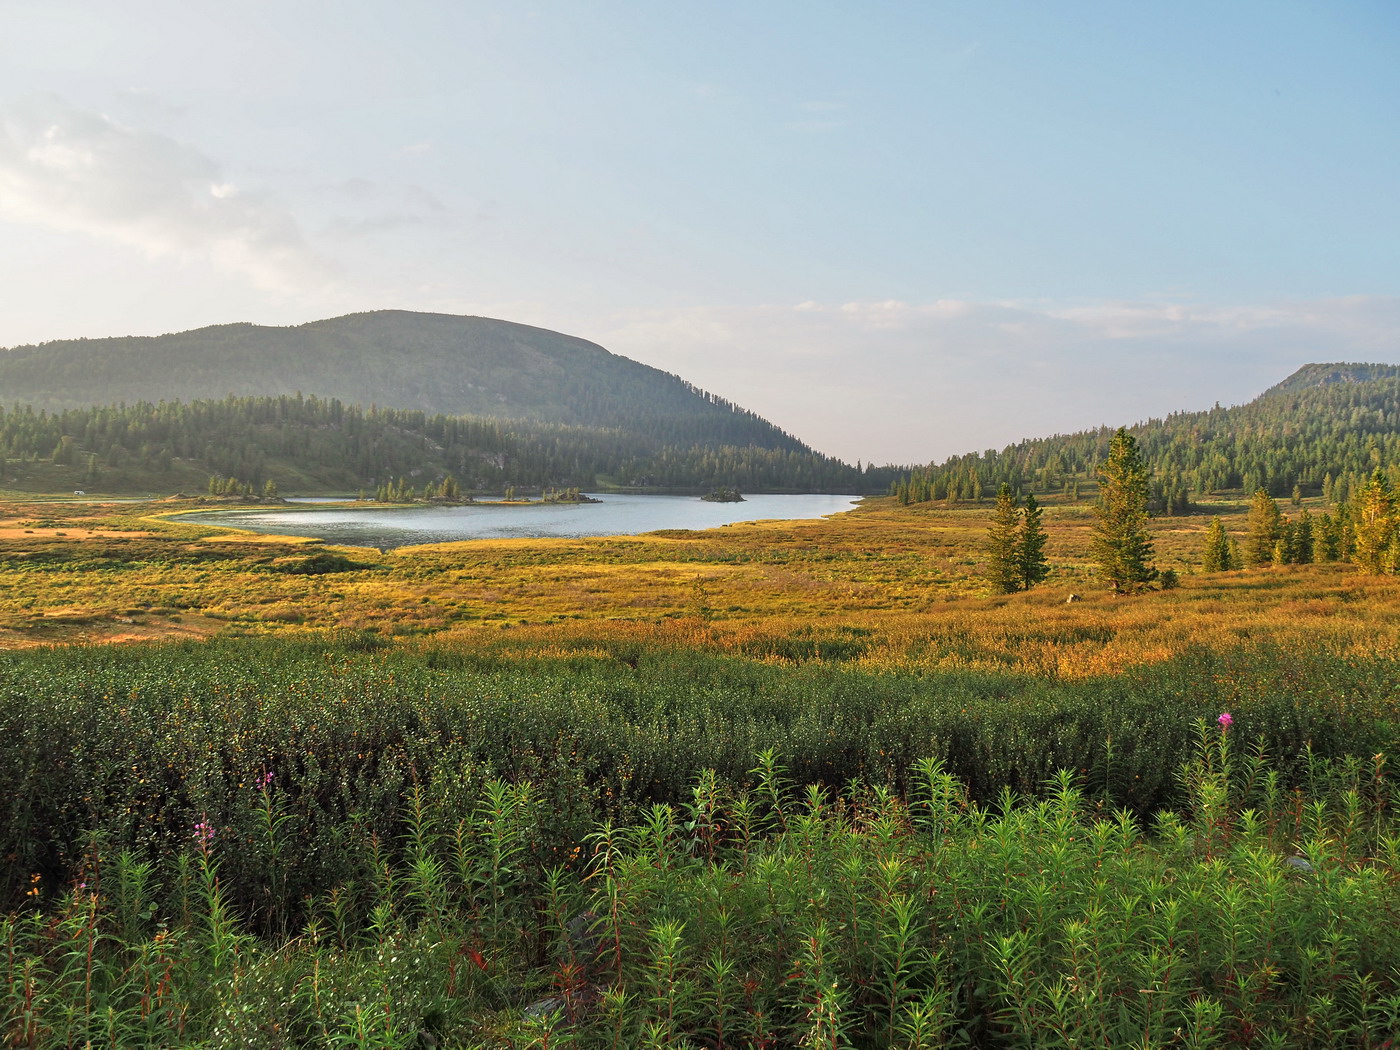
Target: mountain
{"points": [[387, 400], [1318, 432], [307, 444], [433, 363], [1310, 376]]}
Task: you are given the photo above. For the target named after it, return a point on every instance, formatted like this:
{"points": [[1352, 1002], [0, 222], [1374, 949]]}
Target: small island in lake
{"points": [[723, 494], [572, 495]]}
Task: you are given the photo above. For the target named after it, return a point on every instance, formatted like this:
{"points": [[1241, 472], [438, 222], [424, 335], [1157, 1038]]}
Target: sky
{"points": [[900, 231]]}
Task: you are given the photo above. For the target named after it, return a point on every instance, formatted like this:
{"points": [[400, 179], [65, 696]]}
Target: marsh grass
{"points": [[882, 587]]}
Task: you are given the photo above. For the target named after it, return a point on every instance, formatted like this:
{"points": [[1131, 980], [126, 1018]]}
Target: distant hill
{"points": [[1310, 376], [1320, 431], [432, 363], [307, 444], [372, 400]]}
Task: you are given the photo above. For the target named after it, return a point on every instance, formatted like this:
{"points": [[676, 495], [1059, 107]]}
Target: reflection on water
{"points": [[624, 515]]}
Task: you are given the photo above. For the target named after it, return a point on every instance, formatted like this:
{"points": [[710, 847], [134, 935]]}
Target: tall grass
{"points": [[315, 757], [769, 916]]}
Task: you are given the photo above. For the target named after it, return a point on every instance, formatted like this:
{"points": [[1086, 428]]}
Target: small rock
{"points": [[544, 1009], [587, 947]]}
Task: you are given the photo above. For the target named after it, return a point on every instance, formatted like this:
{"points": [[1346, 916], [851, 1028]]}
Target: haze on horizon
{"points": [[900, 231]]}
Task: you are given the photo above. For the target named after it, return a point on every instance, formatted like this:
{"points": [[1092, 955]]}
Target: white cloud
{"points": [[68, 169]]}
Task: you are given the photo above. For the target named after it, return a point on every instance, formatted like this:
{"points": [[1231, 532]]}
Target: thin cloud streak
{"points": [[77, 171]]}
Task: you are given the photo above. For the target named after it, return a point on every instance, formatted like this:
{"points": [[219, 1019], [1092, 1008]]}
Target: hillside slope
{"points": [[1321, 429], [433, 363], [314, 444]]}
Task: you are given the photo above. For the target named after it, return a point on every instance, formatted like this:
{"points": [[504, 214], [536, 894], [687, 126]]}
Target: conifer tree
{"points": [[1003, 535], [1326, 539], [1300, 549], [1216, 557], [1265, 529], [1031, 565], [1374, 524], [1121, 544]]}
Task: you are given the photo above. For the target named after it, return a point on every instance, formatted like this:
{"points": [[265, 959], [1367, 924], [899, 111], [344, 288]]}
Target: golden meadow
{"points": [[903, 579], [770, 785]]}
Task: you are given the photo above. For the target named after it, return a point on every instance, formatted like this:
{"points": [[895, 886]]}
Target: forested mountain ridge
{"points": [[438, 364], [316, 444], [1320, 431]]}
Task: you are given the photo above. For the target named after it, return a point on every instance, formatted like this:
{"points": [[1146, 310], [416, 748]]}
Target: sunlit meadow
{"points": [[785, 784]]}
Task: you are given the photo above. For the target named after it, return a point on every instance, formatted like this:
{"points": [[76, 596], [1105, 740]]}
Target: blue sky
{"points": [[898, 230]]}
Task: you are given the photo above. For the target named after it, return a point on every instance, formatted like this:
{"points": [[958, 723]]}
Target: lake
{"points": [[618, 515]]}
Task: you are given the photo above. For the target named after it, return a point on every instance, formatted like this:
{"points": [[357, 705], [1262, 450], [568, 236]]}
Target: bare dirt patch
{"points": [[107, 631], [12, 530]]}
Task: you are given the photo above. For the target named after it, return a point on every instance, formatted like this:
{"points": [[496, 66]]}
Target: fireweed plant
{"points": [[314, 845]]}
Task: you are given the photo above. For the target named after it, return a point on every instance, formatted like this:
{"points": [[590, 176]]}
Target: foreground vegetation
{"points": [[261, 888], [771, 785]]}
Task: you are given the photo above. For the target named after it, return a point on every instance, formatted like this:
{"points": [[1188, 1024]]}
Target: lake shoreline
{"points": [[366, 523]]}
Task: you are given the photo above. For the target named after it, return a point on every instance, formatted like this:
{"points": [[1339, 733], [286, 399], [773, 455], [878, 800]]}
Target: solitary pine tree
{"points": [[1217, 557], [1265, 527], [1003, 535], [1031, 566], [1121, 544]]}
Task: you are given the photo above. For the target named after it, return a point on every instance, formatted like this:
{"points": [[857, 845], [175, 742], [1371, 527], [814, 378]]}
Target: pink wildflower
{"points": [[1225, 720], [265, 781]]}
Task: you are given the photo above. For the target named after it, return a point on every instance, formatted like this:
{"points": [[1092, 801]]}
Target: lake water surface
{"points": [[617, 515]]}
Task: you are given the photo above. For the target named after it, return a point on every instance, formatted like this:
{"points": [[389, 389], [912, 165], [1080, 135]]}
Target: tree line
{"points": [[258, 440], [1323, 440], [1364, 530]]}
